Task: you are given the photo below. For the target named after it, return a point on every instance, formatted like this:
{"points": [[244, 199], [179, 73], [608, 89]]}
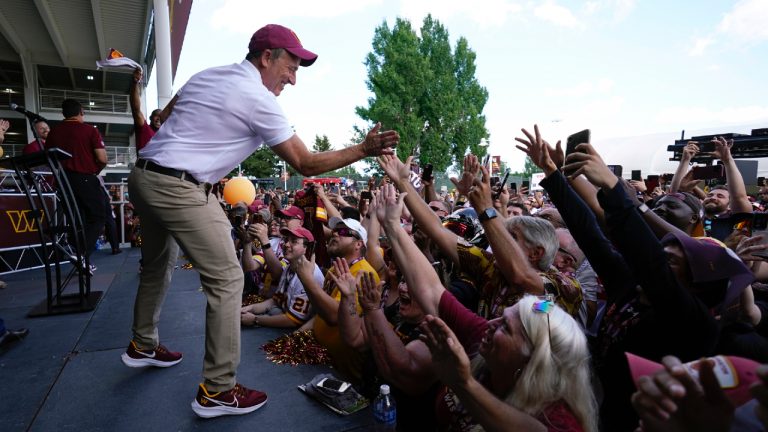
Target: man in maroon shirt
{"points": [[42, 129], [89, 157], [144, 130]]}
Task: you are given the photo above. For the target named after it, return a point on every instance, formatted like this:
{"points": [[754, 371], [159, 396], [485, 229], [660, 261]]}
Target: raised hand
{"points": [[539, 150], [722, 149], [480, 192], [390, 205], [369, 293], [671, 400], [749, 245], [587, 161], [450, 361], [305, 268], [688, 183], [260, 232], [471, 166], [377, 143], [395, 168], [343, 278], [638, 185], [690, 150]]}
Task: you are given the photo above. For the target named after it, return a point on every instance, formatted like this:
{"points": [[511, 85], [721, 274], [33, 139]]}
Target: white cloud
{"points": [[699, 45], [746, 22], [239, 15], [680, 115], [582, 89], [489, 13], [557, 15], [618, 9], [743, 25]]}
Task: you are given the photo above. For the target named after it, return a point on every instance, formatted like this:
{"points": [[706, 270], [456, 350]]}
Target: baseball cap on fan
{"points": [[276, 36]]}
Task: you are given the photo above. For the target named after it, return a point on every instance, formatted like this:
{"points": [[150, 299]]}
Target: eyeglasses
{"points": [[346, 232]]}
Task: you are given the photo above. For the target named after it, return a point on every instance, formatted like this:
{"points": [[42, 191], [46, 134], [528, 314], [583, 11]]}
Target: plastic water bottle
{"points": [[384, 410]]}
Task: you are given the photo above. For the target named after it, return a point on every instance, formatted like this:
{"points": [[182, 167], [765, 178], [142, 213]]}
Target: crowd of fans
{"points": [[503, 310]]}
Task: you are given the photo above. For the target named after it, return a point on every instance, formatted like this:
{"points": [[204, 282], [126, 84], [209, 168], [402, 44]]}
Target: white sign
{"points": [[536, 178]]}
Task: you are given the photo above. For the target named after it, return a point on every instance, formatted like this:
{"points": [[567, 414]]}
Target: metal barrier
{"points": [[92, 101]]}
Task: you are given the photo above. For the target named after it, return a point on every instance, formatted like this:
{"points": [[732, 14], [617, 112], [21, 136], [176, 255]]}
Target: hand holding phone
{"points": [[500, 187], [576, 139], [426, 173]]}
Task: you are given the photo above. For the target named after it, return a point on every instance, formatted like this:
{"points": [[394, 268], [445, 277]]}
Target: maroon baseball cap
{"points": [[299, 232], [292, 212], [276, 36]]}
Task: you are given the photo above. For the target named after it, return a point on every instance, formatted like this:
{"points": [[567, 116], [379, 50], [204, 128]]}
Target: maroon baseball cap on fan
{"points": [[276, 36], [292, 212], [299, 232]]}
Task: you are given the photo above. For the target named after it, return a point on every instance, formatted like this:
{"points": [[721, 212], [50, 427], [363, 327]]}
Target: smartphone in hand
{"points": [[576, 139], [426, 172]]}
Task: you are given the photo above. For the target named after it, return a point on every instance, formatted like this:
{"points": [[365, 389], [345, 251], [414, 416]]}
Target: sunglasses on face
{"points": [[346, 232]]}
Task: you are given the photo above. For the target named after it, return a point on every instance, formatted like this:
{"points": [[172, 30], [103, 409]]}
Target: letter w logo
{"points": [[22, 221]]}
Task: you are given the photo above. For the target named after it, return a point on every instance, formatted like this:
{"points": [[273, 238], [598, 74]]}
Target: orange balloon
{"points": [[239, 189]]}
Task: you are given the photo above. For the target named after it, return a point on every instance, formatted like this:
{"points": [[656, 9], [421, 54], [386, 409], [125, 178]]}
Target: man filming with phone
{"points": [[722, 203]]}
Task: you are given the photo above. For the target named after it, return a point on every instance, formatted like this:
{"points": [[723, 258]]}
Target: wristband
{"points": [[266, 245]]}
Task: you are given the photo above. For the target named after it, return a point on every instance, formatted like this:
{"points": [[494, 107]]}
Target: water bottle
{"points": [[384, 410]]}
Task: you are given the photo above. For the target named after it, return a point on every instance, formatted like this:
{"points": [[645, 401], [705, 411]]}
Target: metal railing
{"points": [[120, 156], [117, 156], [92, 102]]}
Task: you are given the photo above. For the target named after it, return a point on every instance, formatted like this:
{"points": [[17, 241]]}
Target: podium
{"points": [[61, 232]]}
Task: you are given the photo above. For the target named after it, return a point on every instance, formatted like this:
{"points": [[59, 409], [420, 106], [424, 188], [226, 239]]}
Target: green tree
{"points": [[262, 163], [321, 144], [426, 91]]}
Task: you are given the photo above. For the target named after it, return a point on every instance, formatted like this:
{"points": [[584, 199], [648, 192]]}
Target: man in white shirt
{"points": [[220, 117]]}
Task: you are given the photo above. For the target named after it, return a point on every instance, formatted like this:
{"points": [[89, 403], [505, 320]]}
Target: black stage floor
{"points": [[67, 374]]}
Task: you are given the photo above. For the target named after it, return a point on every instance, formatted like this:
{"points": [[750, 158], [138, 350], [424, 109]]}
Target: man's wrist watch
{"points": [[487, 214], [643, 208], [266, 245]]}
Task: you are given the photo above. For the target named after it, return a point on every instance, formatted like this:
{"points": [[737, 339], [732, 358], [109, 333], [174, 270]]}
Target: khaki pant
{"points": [[174, 209]]}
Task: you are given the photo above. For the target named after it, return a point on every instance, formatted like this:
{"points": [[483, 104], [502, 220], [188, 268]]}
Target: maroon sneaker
{"points": [[159, 357], [238, 400]]}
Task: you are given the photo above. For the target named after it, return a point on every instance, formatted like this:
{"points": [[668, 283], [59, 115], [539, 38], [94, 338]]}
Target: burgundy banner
{"points": [[17, 225], [179, 16]]}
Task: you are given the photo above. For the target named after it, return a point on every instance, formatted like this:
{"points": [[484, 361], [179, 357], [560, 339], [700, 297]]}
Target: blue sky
{"points": [[619, 67]]}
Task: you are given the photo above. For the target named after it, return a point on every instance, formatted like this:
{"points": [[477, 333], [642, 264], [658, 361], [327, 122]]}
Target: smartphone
{"points": [[366, 195], [513, 186], [708, 172], [334, 385], [526, 184], [258, 218], [637, 175], [617, 170], [495, 180], [576, 139], [706, 146], [761, 181], [501, 185], [426, 173], [651, 183], [237, 221]]}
